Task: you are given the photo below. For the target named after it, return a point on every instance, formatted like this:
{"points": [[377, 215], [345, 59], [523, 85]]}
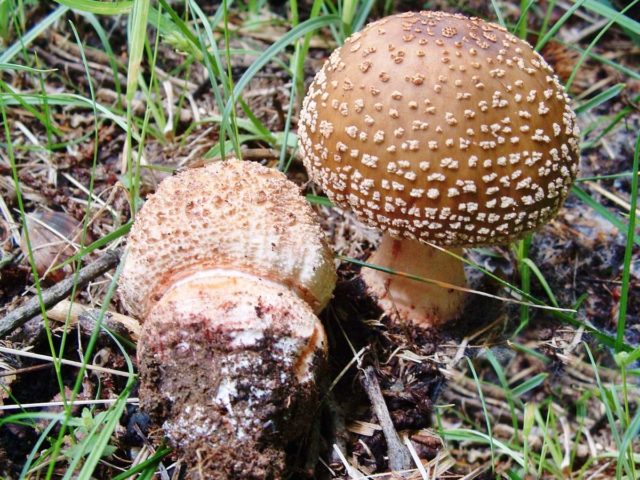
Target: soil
{"points": [[248, 412]]}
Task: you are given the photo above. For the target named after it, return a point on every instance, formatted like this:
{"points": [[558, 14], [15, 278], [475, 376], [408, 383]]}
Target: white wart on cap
{"points": [[441, 128]]}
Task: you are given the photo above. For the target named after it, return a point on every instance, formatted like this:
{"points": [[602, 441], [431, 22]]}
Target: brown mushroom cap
{"points": [[441, 128], [229, 215]]}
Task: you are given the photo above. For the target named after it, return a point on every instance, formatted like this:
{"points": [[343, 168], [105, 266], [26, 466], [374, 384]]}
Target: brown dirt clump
{"points": [[245, 410]]}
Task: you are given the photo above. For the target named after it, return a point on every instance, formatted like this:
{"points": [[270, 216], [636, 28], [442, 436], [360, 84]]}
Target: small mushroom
{"points": [[438, 129], [227, 268]]}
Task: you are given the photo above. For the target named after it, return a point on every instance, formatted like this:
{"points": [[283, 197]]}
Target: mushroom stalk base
{"points": [[424, 304], [228, 369]]}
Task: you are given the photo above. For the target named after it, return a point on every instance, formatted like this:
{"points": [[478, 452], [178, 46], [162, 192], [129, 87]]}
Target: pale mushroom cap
{"points": [[441, 128], [233, 215]]}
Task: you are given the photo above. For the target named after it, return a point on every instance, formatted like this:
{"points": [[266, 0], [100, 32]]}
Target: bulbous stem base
{"points": [[406, 299], [228, 372]]}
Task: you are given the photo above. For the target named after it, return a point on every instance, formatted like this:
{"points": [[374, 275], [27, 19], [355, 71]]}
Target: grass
{"points": [[522, 427]]}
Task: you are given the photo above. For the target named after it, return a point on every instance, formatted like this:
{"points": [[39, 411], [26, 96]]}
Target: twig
{"points": [[399, 456], [19, 371], [106, 401], [59, 291], [351, 471], [416, 459], [337, 428], [313, 449], [88, 366], [76, 312]]}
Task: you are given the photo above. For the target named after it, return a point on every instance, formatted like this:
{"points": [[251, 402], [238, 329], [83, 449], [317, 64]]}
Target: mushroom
{"points": [[442, 130], [227, 268]]}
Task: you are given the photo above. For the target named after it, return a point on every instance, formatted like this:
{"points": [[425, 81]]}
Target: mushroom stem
{"points": [[425, 304], [229, 368]]}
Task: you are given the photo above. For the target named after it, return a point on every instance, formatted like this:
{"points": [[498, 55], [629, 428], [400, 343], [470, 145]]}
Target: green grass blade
{"points": [[466, 435], [525, 278], [596, 40], [604, 177], [348, 11], [601, 8], [150, 462], [529, 384], [600, 98], [137, 39], [499, 16], [114, 414], [502, 377], [260, 127], [138, 36], [604, 395], [30, 254], [547, 17], [101, 242], [319, 200], [175, 29], [97, 450], [543, 281], [22, 68], [104, 39], [616, 119], [38, 444], [67, 99], [220, 79], [529, 351], [291, 36], [520, 28], [101, 8], [630, 435], [527, 426], [551, 33], [607, 61], [362, 15], [217, 151], [549, 440], [612, 218], [14, 98], [32, 34], [626, 272], [485, 412]]}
